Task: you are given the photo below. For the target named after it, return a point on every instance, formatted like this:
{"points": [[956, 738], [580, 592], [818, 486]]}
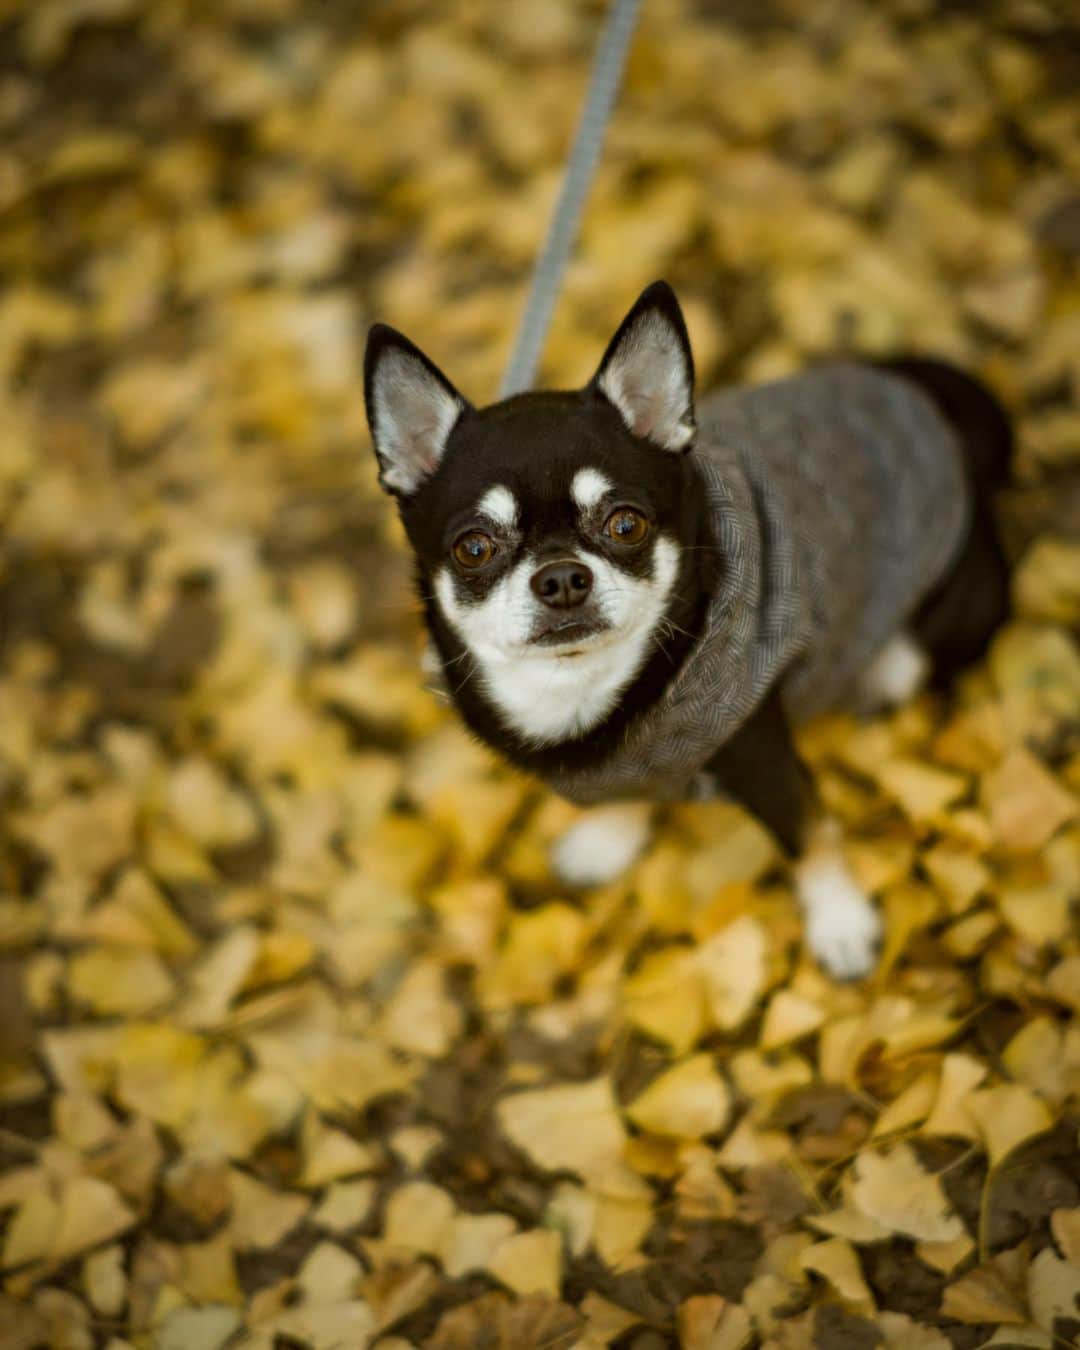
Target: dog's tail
{"points": [[973, 412]]}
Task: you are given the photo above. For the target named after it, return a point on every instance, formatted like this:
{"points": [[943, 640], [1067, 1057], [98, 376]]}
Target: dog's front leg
{"points": [[603, 843], [760, 767], [843, 928]]}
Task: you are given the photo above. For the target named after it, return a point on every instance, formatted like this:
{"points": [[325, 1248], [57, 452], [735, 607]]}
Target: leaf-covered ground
{"points": [[302, 1044]]}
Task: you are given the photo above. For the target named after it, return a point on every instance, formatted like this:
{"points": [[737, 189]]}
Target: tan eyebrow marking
{"points": [[499, 505], [589, 486]]}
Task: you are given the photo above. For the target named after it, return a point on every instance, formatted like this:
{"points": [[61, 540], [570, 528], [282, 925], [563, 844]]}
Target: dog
{"points": [[635, 598]]}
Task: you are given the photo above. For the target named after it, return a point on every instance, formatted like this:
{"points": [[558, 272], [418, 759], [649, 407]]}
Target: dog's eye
{"points": [[474, 549], [626, 526]]}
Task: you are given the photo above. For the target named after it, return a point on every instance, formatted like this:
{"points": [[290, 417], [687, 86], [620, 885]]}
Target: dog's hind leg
{"points": [[957, 620], [896, 674]]}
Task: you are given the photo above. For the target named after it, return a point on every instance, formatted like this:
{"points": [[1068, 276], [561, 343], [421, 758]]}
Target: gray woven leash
{"points": [[603, 86]]}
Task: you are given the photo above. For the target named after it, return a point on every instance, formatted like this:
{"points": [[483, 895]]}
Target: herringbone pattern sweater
{"points": [[838, 499]]}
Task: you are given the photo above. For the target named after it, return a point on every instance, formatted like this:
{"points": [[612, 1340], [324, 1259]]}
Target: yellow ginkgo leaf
{"points": [[895, 1191], [689, 1100], [1008, 1116], [835, 1260], [575, 1127]]}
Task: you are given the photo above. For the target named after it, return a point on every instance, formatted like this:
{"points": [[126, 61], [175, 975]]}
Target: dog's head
{"points": [[551, 530]]}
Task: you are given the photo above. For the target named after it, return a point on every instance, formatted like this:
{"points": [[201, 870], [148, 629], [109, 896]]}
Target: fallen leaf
{"points": [[923, 791], [120, 980], [688, 1100], [1065, 1225], [104, 1280], [893, 1190], [902, 1333], [835, 1260], [1045, 584], [983, 1295], [29, 1235], [1039, 914], [1008, 1116], [218, 978], [330, 1154], [1053, 1289], [207, 807], [471, 1240], [605, 1321], [418, 1217], [956, 873], [732, 964], [329, 1274], [945, 1256], [529, 1263], [623, 1215], [574, 1128], [1026, 802], [666, 997], [789, 1017], [262, 1216], [345, 1205], [421, 1017], [913, 1105], [951, 1113], [534, 1321], [1036, 1057], [709, 1322]]}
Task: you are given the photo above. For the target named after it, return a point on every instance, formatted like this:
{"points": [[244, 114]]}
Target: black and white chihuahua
{"points": [[567, 557]]}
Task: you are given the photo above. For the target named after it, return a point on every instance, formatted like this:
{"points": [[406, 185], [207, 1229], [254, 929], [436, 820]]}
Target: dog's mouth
{"points": [[573, 633]]}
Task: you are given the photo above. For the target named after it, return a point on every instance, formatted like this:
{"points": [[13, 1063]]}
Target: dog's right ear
{"points": [[411, 410], [647, 372]]}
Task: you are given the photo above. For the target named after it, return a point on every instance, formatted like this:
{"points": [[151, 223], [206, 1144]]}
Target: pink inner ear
{"points": [[424, 445], [643, 409]]}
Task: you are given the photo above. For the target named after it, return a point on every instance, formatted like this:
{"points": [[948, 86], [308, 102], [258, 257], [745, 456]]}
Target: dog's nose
{"points": [[563, 584]]}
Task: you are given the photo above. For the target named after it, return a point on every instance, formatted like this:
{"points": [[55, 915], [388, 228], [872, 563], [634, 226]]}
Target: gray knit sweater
{"points": [[838, 500]]}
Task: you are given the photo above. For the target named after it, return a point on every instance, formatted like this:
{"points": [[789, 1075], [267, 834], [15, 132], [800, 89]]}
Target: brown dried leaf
{"points": [[984, 1295], [531, 1323]]}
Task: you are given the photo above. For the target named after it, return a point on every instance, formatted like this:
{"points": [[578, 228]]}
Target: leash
{"points": [[603, 86]]}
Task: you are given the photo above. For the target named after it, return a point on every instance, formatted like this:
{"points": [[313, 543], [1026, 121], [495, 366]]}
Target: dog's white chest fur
{"points": [[547, 698]]}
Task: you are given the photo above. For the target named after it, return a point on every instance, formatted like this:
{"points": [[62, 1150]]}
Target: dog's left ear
{"points": [[648, 370], [411, 407]]}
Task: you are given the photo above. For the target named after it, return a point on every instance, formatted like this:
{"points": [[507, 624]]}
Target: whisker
{"points": [[468, 676], [674, 628]]}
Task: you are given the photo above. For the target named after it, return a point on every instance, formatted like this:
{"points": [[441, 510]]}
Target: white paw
{"points": [[602, 844], [896, 674], [843, 929]]}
